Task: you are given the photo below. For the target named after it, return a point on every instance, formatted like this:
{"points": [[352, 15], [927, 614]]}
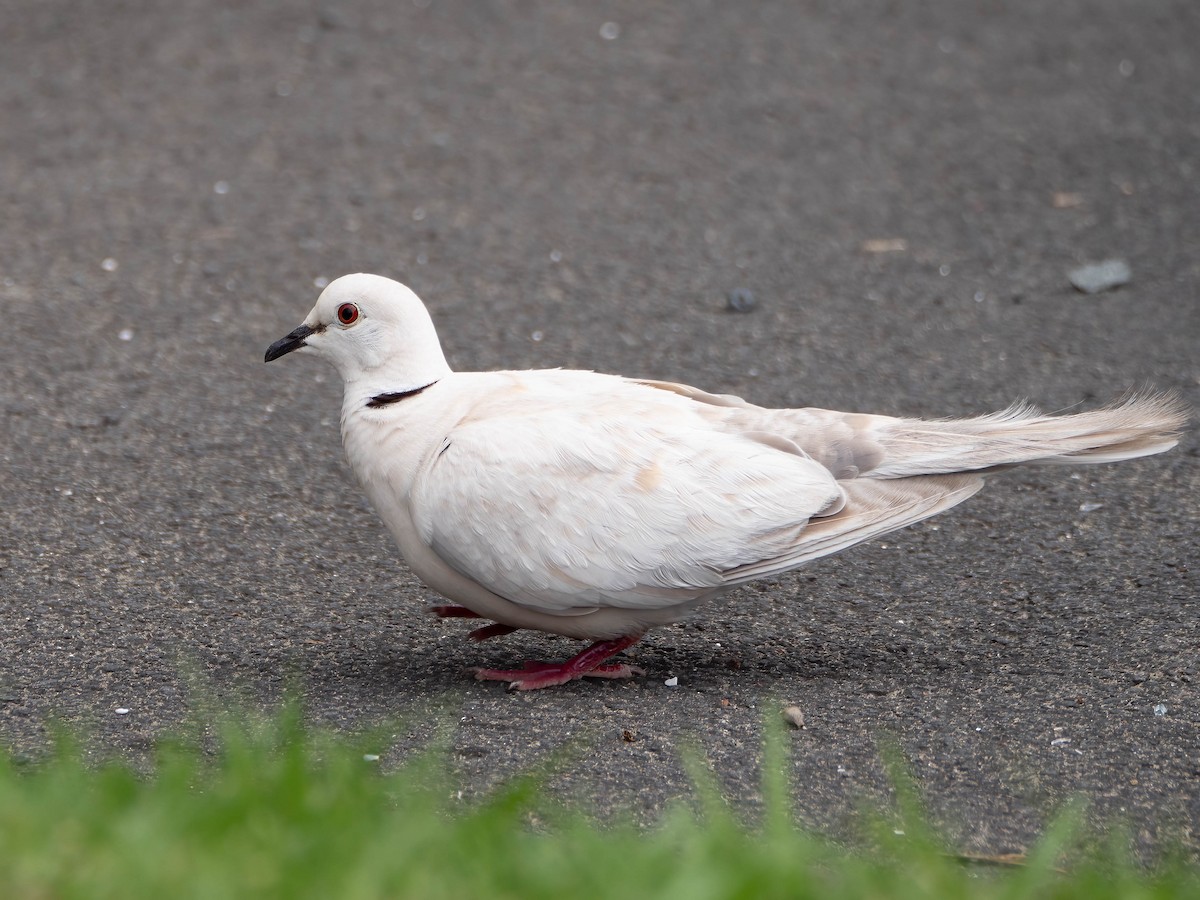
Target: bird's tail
{"points": [[1140, 425]]}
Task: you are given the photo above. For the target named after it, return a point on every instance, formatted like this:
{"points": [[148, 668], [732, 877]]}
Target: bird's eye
{"points": [[347, 313]]}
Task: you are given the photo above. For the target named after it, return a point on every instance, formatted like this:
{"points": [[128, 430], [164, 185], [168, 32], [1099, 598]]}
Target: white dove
{"points": [[598, 507]]}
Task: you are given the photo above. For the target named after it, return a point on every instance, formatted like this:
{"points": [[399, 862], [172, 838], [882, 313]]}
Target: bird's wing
{"points": [[872, 508], [569, 509]]}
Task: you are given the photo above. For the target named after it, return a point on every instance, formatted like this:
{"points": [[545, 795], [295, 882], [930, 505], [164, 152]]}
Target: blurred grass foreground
{"points": [[281, 810]]}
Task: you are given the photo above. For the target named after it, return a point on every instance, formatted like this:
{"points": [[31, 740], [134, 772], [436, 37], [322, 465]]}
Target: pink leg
{"points": [[479, 634], [590, 664], [491, 631], [454, 612]]}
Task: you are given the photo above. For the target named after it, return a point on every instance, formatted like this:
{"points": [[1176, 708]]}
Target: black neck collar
{"points": [[395, 396]]}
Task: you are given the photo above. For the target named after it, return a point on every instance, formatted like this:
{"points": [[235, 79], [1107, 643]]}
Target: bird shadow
{"points": [[386, 668]]}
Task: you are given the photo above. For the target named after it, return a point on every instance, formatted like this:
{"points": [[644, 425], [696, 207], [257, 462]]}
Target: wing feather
{"points": [[873, 508], [565, 511]]}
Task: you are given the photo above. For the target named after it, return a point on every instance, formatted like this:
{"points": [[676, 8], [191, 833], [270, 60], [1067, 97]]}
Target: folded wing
{"points": [[566, 512]]}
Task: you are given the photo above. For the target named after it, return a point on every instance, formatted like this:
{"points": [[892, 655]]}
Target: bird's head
{"points": [[370, 328]]}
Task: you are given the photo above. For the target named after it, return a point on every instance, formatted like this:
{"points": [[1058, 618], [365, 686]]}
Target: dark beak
{"points": [[294, 341]]}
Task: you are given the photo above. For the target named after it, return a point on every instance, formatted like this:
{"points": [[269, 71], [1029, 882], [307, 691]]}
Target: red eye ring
{"points": [[347, 314]]}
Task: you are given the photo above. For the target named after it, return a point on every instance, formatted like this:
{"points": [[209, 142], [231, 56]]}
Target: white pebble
{"points": [[673, 681], [1101, 276], [121, 711]]}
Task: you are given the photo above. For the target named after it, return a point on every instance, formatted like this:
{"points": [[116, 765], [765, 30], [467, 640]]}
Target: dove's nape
{"points": [[599, 507]]}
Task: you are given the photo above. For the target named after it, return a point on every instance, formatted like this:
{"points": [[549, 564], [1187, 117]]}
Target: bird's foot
{"points": [[536, 675], [588, 664]]}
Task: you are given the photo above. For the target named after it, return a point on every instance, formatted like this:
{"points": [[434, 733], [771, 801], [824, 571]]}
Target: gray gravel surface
{"points": [[178, 177]]}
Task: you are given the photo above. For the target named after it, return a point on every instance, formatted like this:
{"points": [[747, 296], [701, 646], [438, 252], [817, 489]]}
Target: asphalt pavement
{"points": [[902, 188]]}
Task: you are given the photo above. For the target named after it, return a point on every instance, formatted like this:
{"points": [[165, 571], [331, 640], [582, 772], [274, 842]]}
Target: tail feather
{"points": [[1140, 425]]}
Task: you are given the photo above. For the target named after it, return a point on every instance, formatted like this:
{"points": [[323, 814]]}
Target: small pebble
{"points": [[1090, 507], [673, 681], [740, 300], [1066, 200], [1101, 276], [885, 245], [331, 18], [794, 716], [370, 757], [121, 711], [1160, 709]]}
